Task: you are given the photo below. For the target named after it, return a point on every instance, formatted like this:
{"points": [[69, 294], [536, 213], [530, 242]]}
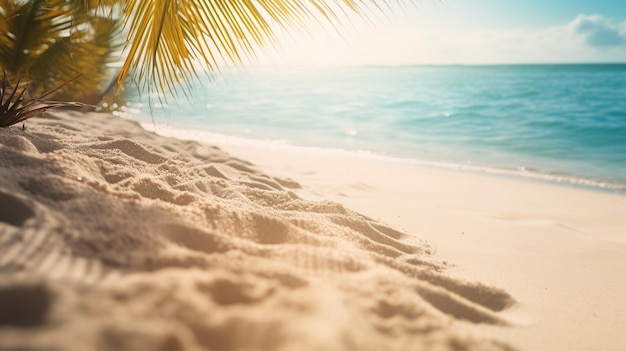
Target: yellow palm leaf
{"points": [[166, 37]]}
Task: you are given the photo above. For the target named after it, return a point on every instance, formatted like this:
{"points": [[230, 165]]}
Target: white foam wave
{"points": [[273, 144]]}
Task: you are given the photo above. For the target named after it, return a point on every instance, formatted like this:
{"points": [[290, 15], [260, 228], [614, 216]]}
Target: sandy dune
{"points": [[114, 238]]}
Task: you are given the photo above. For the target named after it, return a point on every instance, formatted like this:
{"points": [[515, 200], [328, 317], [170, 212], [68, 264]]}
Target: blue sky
{"points": [[469, 32], [527, 13]]}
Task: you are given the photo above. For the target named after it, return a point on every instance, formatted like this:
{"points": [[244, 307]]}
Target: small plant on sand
{"points": [[16, 106]]}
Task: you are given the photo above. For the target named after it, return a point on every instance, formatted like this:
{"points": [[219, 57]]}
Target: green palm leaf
{"points": [[51, 41]]}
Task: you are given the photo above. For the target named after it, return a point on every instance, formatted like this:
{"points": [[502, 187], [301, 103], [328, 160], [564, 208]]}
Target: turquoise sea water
{"points": [[562, 123]]}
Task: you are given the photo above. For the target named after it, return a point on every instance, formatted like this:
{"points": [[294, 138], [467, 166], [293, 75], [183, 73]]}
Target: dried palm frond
{"points": [[16, 107]]}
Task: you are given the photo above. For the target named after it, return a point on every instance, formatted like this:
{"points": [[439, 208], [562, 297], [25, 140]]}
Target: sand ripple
{"points": [[113, 238]]}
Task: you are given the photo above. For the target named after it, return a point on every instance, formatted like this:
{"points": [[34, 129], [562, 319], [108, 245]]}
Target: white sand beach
{"points": [[115, 238], [559, 251]]}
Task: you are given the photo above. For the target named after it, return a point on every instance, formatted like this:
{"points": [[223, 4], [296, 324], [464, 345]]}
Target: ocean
{"points": [[554, 123]]}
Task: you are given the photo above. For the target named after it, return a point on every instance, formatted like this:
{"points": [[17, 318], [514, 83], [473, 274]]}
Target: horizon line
{"points": [[346, 65]]}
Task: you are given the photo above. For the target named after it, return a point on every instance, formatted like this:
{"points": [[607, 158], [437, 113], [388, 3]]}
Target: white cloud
{"points": [[599, 31]]}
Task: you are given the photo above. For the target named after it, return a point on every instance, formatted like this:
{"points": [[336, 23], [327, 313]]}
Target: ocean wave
{"points": [[207, 137]]}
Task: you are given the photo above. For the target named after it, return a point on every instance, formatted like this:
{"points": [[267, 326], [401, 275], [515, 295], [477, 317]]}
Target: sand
{"points": [[115, 238], [559, 251]]}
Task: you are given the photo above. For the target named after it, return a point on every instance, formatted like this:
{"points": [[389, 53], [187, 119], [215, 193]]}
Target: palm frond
{"points": [[166, 37], [51, 41]]}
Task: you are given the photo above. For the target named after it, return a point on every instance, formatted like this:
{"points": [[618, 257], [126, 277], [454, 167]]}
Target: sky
{"points": [[467, 32]]}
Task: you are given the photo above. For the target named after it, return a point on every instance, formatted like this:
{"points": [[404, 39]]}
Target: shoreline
{"points": [[553, 246], [574, 181], [131, 238]]}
